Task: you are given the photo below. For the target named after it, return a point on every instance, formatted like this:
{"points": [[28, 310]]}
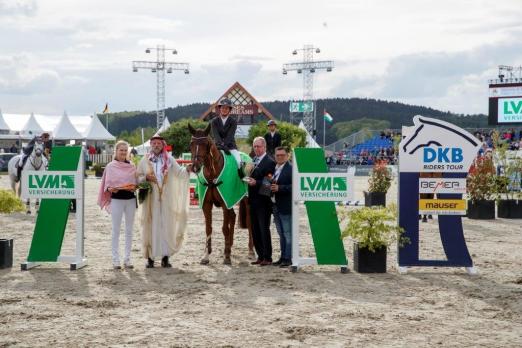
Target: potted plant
{"points": [[508, 181], [379, 183], [9, 203], [481, 186], [373, 230], [98, 170]]}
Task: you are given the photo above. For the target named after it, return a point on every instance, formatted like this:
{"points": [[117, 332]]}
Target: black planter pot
{"points": [[481, 210], [6, 253], [365, 261], [374, 199], [99, 173], [510, 209]]}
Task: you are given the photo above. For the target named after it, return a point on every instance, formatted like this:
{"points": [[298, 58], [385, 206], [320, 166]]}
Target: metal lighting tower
{"points": [[308, 67], [159, 67]]}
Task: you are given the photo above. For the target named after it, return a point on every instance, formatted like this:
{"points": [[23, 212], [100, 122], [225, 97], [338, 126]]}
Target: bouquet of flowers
{"points": [[143, 190]]}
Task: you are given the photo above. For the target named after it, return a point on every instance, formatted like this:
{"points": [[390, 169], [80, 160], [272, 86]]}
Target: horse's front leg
{"points": [[207, 211], [37, 206], [251, 253], [28, 206], [229, 217]]}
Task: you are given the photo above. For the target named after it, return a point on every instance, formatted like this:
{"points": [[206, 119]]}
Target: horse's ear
{"points": [[191, 129], [207, 130]]}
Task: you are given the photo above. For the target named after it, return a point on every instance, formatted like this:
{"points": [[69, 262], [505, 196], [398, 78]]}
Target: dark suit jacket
{"points": [[265, 167], [283, 197], [224, 134], [272, 142]]}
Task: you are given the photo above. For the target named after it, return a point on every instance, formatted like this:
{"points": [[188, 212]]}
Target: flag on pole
{"points": [[106, 109], [328, 118]]}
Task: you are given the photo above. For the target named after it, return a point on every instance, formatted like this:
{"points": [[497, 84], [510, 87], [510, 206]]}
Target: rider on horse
{"points": [[26, 151], [223, 131]]}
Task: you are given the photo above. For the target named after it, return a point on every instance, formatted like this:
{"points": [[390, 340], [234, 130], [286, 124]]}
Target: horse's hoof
{"points": [[204, 262], [28, 212], [227, 261]]}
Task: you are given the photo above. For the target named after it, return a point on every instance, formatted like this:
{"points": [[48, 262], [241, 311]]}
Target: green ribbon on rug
{"points": [[232, 189]]}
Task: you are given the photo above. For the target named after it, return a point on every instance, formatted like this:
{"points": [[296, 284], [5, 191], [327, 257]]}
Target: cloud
{"points": [[18, 8], [18, 76]]}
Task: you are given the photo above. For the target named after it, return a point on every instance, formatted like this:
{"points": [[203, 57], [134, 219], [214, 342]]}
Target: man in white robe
{"points": [[164, 212]]}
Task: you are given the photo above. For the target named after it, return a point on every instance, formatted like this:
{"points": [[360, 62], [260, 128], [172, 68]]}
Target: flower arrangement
{"points": [[380, 178], [481, 182], [143, 190]]}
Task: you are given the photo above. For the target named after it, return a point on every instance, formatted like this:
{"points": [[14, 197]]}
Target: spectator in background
{"points": [[13, 149], [272, 138]]}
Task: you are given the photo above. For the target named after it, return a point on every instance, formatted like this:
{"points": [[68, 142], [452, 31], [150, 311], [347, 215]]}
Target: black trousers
{"points": [[260, 218]]}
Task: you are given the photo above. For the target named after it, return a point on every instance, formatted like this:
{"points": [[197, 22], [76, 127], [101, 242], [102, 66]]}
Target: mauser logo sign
{"points": [[510, 110], [433, 145], [442, 185], [324, 187], [442, 206], [50, 184]]}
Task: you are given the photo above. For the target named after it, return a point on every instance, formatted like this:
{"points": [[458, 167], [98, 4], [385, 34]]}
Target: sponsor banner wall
{"points": [[442, 185], [510, 110]]}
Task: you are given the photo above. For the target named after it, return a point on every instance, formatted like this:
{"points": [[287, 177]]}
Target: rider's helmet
{"points": [[224, 102]]}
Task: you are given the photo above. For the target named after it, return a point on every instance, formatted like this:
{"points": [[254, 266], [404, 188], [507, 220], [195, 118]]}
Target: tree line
{"points": [[349, 114]]}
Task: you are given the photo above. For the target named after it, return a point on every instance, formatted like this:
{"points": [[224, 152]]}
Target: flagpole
{"points": [[324, 127]]}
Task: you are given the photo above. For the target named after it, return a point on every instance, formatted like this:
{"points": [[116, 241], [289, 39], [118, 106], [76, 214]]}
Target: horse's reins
{"points": [[201, 158]]}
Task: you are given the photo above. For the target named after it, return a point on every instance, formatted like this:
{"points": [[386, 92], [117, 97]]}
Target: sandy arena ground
{"points": [[250, 306]]}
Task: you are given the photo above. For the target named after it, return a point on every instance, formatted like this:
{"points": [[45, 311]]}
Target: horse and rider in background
{"points": [[34, 157]]}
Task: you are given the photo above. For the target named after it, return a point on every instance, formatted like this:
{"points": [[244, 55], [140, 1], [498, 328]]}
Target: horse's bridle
{"points": [[197, 157]]}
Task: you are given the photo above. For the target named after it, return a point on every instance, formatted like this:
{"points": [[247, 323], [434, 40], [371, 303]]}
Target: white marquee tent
{"points": [[31, 128], [64, 130], [96, 131], [310, 141], [3, 125], [145, 147]]}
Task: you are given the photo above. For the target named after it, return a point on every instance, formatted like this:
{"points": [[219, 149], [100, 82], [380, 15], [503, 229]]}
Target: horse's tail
{"points": [[243, 213]]}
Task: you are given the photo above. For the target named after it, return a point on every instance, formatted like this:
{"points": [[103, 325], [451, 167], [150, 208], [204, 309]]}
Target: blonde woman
{"points": [[117, 196]]}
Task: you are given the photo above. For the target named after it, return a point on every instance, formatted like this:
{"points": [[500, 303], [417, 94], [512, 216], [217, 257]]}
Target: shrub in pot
{"points": [[379, 183], [508, 181], [481, 186], [98, 170], [373, 230]]}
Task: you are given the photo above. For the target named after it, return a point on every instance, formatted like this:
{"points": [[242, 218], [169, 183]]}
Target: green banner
{"points": [[52, 217], [322, 216]]}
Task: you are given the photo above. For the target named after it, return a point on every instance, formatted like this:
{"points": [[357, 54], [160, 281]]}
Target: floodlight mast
{"points": [[308, 67], [159, 67]]}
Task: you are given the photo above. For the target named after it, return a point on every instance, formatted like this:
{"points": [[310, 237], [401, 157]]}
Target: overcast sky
{"points": [[76, 55]]}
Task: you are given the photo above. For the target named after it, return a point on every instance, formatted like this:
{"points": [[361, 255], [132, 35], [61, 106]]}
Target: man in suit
{"points": [[282, 208], [272, 138], [260, 202], [224, 130]]}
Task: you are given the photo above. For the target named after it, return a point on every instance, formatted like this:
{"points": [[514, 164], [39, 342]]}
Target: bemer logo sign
{"points": [[442, 185]]}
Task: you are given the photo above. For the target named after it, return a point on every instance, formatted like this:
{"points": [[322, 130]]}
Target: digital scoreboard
{"points": [[505, 104]]}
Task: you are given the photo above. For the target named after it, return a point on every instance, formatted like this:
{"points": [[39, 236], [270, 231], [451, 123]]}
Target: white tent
{"points": [[145, 147], [64, 130], [3, 125], [310, 141], [31, 128], [96, 131]]}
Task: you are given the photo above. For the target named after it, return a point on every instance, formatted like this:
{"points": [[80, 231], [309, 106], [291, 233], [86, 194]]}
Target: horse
{"points": [[207, 157], [36, 161]]}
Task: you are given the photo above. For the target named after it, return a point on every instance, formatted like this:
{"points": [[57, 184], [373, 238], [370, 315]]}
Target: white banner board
{"points": [[334, 187], [51, 184]]}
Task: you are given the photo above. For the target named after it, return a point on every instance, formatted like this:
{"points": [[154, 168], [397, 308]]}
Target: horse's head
{"points": [[200, 144], [38, 149]]}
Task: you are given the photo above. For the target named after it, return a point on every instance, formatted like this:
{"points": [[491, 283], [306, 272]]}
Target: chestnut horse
{"points": [[207, 157]]}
